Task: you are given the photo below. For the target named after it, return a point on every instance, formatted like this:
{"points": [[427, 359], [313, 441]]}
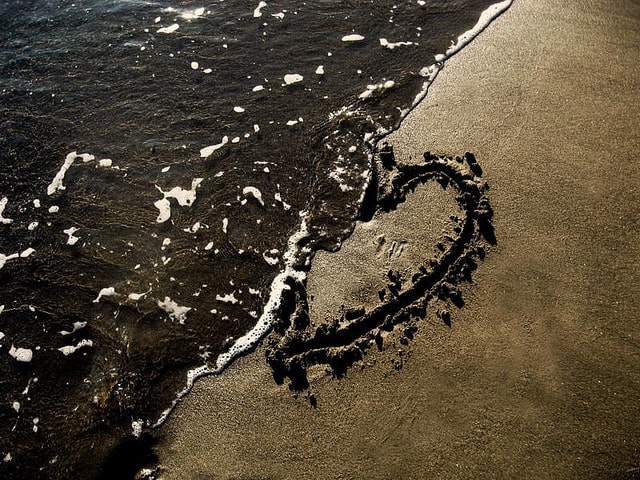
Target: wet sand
{"points": [[538, 376]]}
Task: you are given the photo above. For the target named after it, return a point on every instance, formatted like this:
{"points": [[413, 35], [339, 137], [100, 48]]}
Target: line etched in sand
{"points": [[297, 344]]}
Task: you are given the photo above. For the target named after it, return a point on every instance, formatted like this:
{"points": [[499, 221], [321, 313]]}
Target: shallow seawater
{"points": [[162, 166]]}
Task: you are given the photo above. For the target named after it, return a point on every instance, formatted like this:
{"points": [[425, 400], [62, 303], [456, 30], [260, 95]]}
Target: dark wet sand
{"points": [[539, 375]]}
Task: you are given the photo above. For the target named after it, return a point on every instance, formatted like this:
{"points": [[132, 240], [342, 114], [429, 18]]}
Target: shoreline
{"points": [[249, 341], [518, 385]]}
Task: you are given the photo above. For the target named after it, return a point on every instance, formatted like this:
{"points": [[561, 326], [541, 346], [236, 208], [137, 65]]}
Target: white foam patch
{"points": [[271, 256], [208, 246], [184, 197], [136, 430], [385, 43], [33, 226], [21, 354], [291, 78], [72, 239], [486, 18], [1, 335], [225, 225], [105, 292], [257, 13], [206, 151], [192, 14], [227, 298], [56, 183], [3, 204], [193, 228], [238, 109], [354, 37], [5, 258], [337, 176], [76, 326], [320, 70], [378, 86], [175, 311], [170, 29], [26, 252], [105, 163], [254, 192], [36, 203], [136, 296], [257, 88], [69, 349], [278, 197], [54, 209]]}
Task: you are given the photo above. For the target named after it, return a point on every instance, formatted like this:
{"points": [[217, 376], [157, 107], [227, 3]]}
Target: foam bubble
{"points": [[254, 192], [271, 256], [76, 326], [184, 197], [257, 12], [385, 43], [4, 258], [3, 204], [205, 152], [136, 296], [56, 183], [136, 429], [175, 311], [69, 349], [291, 78], [21, 354], [170, 29], [72, 240], [105, 292], [354, 37], [227, 298]]}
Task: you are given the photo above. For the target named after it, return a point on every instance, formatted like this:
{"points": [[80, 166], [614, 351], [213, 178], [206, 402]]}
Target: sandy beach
{"points": [[538, 375]]}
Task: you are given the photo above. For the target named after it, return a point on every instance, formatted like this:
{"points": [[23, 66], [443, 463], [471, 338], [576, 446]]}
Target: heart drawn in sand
{"points": [[296, 345]]}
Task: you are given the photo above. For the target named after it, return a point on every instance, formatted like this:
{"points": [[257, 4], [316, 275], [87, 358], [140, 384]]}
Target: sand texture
{"points": [[538, 375]]}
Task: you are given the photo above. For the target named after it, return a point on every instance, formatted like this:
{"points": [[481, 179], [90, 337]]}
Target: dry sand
{"points": [[539, 375]]}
